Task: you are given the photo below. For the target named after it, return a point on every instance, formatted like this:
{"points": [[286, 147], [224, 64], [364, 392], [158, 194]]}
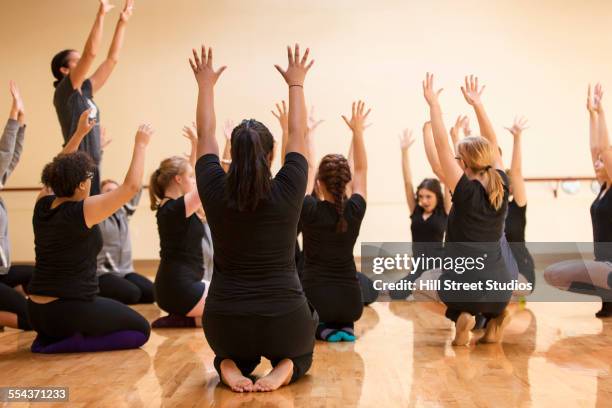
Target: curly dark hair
{"points": [[64, 174], [335, 173]]}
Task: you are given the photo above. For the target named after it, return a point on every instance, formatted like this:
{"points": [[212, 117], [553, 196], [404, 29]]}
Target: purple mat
{"points": [[121, 340]]}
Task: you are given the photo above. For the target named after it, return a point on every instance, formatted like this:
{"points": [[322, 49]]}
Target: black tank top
{"points": [[516, 220], [601, 218]]}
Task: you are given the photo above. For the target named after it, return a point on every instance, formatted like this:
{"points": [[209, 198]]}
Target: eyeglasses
{"points": [[89, 175]]}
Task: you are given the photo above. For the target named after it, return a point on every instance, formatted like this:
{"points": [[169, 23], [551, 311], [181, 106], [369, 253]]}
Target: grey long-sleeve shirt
{"points": [[116, 254], [11, 145]]}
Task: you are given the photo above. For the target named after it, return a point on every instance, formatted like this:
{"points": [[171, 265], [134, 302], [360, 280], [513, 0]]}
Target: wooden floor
{"points": [[555, 355]]}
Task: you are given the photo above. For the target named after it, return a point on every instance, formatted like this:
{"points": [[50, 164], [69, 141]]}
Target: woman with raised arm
{"points": [[179, 287], [330, 227], [282, 115], [64, 306], [117, 277], [475, 223], [13, 306], [256, 307], [428, 208], [74, 89], [584, 276], [516, 218]]}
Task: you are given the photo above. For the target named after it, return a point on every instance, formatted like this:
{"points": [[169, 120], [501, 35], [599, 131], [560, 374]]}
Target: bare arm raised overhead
{"points": [[451, 171], [602, 131], [406, 140], [206, 121], [430, 151], [102, 206], [282, 115], [357, 124], [472, 93], [78, 75], [516, 167], [226, 160], [294, 76], [104, 71]]}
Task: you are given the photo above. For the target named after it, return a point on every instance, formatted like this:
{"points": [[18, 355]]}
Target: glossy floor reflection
{"points": [[554, 355]]}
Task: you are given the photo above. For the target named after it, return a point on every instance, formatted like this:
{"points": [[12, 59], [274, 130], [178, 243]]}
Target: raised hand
{"points": [[520, 124], [406, 139], [282, 114], [298, 68], [190, 134], [127, 11], [313, 123], [17, 108], [104, 139], [458, 127], [465, 126], [143, 135], [85, 123], [358, 117], [105, 6], [202, 67], [598, 97], [472, 91], [228, 128], [590, 105], [431, 96]]}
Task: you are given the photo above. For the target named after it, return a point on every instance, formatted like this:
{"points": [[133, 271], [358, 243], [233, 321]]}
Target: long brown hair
{"points": [[335, 173], [162, 177], [478, 155], [249, 179]]}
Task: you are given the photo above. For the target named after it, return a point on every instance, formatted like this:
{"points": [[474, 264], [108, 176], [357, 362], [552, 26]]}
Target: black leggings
{"points": [[12, 301], [245, 339], [130, 289], [178, 287], [336, 304], [63, 318], [18, 275]]}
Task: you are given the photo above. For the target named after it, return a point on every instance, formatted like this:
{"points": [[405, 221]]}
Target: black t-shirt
{"points": [[601, 218], [66, 251], [254, 258], [70, 104], [430, 230], [516, 220], [472, 217], [474, 231], [328, 255], [180, 237]]}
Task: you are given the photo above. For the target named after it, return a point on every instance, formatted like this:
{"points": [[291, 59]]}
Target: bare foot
{"points": [[463, 328], [233, 378], [495, 328], [279, 376]]}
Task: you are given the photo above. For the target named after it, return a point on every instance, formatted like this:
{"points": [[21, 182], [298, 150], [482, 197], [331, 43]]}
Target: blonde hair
{"points": [[163, 176], [478, 155]]}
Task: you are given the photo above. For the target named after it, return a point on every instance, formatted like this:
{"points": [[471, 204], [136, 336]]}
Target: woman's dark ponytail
{"points": [[249, 176], [60, 60]]}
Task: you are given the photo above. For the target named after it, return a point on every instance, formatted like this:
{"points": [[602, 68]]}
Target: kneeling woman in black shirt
{"points": [[586, 276], [475, 225], [330, 228], [179, 286], [255, 307], [64, 307]]}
